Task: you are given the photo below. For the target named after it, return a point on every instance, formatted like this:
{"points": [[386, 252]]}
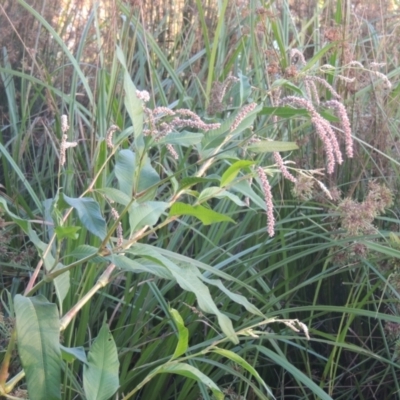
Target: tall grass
{"points": [[340, 283]]}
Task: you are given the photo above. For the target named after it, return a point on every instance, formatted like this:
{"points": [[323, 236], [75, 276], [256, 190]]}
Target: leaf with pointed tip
{"points": [[126, 171], [205, 215], [100, 374], [231, 173], [23, 224], [237, 298], [62, 285], [70, 354], [189, 278], [245, 188], [183, 334], [125, 164], [193, 373], [38, 332], [133, 105], [244, 364]]}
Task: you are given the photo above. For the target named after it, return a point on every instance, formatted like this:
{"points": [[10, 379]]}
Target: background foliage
{"points": [[139, 331]]}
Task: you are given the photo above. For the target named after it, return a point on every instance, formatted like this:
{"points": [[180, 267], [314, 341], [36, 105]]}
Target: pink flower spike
{"points": [[285, 172], [268, 201]]}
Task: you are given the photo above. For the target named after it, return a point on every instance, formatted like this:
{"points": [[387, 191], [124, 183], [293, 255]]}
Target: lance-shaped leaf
{"points": [[100, 374], [237, 298], [38, 331], [205, 215], [140, 265], [245, 365], [189, 278], [133, 105], [190, 372], [183, 334]]}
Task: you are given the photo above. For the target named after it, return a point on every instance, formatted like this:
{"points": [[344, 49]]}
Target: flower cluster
{"points": [[268, 201], [247, 109], [109, 135], [281, 165], [357, 218], [162, 120], [324, 131], [218, 92]]}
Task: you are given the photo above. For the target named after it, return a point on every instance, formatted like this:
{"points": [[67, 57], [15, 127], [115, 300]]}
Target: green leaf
{"points": [[67, 232], [205, 215], [284, 112], [231, 173], [217, 192], [266, 146], [139, 266], [133, 105], [295, 372], [189, 278], [118, 196], [38, 332], [387, 251], [183, 334], [241, 91], [23, 224], [288, 85], [125, 164], [290, 112], [62, 285], [83, 251], [89, 214], [70, 354], [191, 181], [232, 197], [209, 193], [100, 374], [133, 178], [142, 214], [183, 138], [148, 176], [193, 373], [244, 364], [245, 188], [237, 298]]}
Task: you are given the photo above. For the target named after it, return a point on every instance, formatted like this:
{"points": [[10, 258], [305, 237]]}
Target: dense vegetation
{"points": [[199, 200]]}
